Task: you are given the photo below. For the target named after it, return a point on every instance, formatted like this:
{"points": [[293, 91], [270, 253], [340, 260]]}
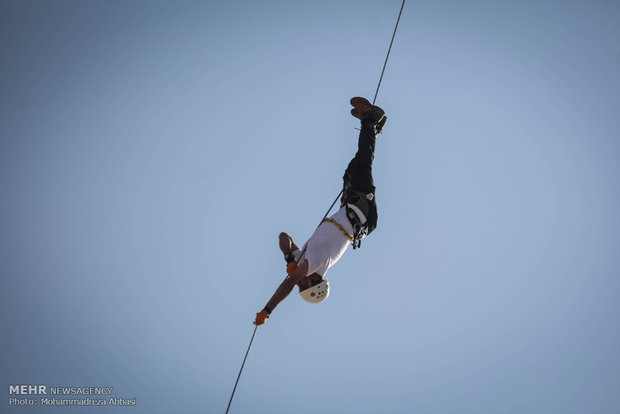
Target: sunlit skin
{"points": [[287, 245]]}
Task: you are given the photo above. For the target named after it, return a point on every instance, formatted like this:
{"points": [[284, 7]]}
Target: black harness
{"points": [[367, 205]]}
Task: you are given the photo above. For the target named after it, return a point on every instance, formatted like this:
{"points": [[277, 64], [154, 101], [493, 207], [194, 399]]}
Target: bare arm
{"points": [[287, 245], [287, 286]]}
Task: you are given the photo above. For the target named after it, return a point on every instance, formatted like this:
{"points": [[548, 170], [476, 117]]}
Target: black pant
{"points": [[358, 175], [357, 180]]}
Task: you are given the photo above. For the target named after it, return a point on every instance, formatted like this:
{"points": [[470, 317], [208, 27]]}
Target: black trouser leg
{"points": [[358, 175]]}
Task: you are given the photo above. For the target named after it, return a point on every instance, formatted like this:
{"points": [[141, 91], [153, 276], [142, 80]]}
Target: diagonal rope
{"points": [[330, 208], [388, 52], [241, 370]]}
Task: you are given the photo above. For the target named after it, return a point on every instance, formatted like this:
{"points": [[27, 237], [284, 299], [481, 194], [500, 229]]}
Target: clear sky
{"points": [[151, 152]]}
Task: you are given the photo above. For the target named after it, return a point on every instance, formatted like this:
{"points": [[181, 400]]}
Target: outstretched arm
{"points": [[282, 292], [287, 285]]}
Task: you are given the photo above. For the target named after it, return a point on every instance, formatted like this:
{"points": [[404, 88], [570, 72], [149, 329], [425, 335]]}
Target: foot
{"points": [[365, 111]]}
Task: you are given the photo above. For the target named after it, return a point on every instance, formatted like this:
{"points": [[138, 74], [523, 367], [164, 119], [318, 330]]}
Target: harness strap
{"points": [[342, 229]]}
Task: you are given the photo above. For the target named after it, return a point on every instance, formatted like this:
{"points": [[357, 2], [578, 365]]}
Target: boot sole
{"points": [[361, 104]]}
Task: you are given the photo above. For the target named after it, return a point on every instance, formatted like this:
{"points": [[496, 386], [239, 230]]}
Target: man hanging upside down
{"points": [[356, 219]]}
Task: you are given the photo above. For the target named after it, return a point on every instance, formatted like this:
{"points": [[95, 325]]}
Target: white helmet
{"points": [[317, 293]]}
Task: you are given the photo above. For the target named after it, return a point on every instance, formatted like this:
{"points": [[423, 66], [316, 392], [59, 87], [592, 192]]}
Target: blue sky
{"points": [[151, 152]]}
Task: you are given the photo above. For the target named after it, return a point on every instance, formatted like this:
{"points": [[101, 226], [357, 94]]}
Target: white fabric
{"points": [[327, 244]]}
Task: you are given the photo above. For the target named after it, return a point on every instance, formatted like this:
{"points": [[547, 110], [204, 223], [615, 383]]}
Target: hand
{"points": [[291, 267], [261, 317]]}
